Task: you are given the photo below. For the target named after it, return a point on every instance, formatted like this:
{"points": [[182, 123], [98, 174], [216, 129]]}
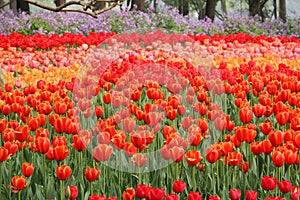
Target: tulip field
{"points": [[150, 116]]}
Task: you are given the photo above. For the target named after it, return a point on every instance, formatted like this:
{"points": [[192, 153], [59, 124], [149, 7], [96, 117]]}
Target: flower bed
{"points": [[168, 20], [153, 116]]}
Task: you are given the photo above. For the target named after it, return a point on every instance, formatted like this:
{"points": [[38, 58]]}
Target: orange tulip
{"points": [[193, 157], [278, 159], [92, 174], [139, 159], [60, 152], [18, 183], [27, 169], [128, 194], [276, 138], [245, 114], [4, 154], [63, 172], [233, 158], [102, 152]]}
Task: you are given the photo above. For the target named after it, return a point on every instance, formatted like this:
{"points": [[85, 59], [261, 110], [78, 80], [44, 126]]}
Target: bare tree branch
{"points": [[79, 11], [56, 9], [86, 5], [4, 5]]}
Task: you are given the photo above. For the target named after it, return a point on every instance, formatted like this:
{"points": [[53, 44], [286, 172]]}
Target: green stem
{"points": [[193, 178], [62, 190], [176, 171], [91, 188], [44, 174], [1, 180], [19, 195], [213, 179]]}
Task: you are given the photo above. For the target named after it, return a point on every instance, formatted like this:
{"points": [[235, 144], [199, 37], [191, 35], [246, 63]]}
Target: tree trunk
{"points": [[183, 7], [275, 8], [23, 6], [282, 10], [99, 5], [211, 9], [254, 7], [13, 6], [59, 2], [140, 4], [200, 8], [128, 3], [223, 6], [155, 5]]}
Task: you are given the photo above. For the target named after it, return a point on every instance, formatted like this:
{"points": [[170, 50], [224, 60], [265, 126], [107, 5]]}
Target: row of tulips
{"points": [[38, 40], [155, 120]]}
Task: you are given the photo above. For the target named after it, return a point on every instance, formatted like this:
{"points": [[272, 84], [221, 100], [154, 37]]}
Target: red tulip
{"points": [[18, 183], [297, 139], [98, 111], [97, 197], [139, 159], [129, 149], [295, 123], [118, 140], [267, 146], [291, 157], [63, 172], [4, 154], [203, 124], [102, 152], [193, 157], [194, 196], [251, 195], [171, 197], [6, 109], [82, 140], [71, 192], [92, 174], [27, 169], [137, 139], [245, 114], [178, 186], [233, 158], [8, 135], [256, 148], [59, 141], [106, 98], [128, 124], [295, 194], [3, 125], [282, 117], [278, 159], [214, 198], [276, 138], [12, 147], [128, 194], [212, 156], [176, 153], [268, 183], [244, 167], [285, 186], [258, 110], [171, 113], [22, 133], [266, 127], [141, 191], [60, 152], [234, 194], [155, 194]]}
